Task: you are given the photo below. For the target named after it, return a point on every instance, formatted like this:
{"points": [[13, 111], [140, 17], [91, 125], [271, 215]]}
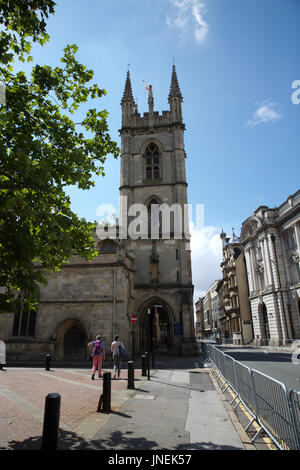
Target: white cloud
{"points": [[265, 112], [189, 16], [206, 253]]}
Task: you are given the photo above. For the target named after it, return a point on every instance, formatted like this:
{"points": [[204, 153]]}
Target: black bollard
{"points": [[51, 422], [106, 401], [153, 353], [48, 361], [144, 366], [130, 384], [148, 364]]}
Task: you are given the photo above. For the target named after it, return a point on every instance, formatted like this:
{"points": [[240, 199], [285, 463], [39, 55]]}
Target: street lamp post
{"points": [[148, 348], [154, 333]]}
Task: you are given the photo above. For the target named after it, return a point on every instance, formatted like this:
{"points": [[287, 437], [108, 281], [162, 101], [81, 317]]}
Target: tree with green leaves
{"points": [[42, 151], [22, 22]]}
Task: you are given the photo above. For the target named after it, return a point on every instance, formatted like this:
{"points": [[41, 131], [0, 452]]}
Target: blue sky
{"points": [[236, 62]]}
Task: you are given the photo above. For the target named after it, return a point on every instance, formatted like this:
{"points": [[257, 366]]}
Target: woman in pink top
{"points": [[98, 355]]}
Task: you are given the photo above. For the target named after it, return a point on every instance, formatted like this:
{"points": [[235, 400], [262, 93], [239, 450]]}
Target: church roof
{"points": [[127, 95], [174, 88]]}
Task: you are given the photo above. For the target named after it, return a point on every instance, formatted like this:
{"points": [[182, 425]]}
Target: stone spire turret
{"points": [[174, 88], [127, 95], [127, 103], [175, 97]]}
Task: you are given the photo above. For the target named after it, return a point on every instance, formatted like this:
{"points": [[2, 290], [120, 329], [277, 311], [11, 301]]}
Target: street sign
{"points": [[178, 328], [133, 318]]}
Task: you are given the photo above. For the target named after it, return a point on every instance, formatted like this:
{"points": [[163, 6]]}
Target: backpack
{"points": [[98, 348], [121, 351]]}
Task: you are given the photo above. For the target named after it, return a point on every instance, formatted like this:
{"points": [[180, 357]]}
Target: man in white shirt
{"points": [[117, 358]]}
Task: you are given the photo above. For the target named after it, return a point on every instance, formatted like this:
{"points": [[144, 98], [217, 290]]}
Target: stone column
{"points": [[252, 264], [297, 236], [249, 270], [267, 263]]}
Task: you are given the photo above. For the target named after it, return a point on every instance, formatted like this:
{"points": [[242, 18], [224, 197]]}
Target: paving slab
{"points": [[174, 412]]}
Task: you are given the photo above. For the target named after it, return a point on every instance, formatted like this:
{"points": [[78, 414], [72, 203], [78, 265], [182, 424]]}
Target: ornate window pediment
{"points": [[249, 228]]}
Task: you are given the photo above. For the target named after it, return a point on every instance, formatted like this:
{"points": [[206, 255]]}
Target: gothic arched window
{"points": [[107, 246], [152, 162], [24, 322]]}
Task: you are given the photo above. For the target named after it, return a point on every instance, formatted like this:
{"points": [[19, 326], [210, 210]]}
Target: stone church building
{"points": [[150, 277]]}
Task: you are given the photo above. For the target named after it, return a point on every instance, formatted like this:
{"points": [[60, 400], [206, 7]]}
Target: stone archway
{"points": [[71, 341], [264, 324], [160, 325]]}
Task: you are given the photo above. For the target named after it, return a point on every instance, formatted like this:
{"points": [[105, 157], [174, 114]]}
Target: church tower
{"points": [[154, 220]]}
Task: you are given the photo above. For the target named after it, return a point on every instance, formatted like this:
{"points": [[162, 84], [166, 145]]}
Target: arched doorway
{"points": [[71, 341], [156, 327], [264, 321], [74, 344]]}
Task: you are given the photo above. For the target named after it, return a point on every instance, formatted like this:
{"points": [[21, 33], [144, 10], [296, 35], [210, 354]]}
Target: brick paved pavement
{"points": [[22, 401]]}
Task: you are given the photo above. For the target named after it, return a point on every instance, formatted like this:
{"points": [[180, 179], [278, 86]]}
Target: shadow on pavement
{"points": [[162, 361], [69, 440]]}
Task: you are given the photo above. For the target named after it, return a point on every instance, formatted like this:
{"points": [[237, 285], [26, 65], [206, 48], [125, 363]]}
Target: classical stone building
{"points": [[199, 326], [207, 313], [234, 306], [131, 274], [271, 239]]}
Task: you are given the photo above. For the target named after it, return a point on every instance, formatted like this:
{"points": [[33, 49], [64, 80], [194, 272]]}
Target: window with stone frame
{"points": [[107, 246], [24, 322], [259, 256], [289, 237], [294, 265], [297, 272], [292, 255], [152, 158]]}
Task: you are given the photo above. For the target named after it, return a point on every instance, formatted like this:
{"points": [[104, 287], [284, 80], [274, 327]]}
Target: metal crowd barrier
{"points": [[274, 410], [245, 389], [268, 401], [294, 397]]}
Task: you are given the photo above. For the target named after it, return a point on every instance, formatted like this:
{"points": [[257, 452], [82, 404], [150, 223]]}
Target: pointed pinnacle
{"points": [[127, 95], [174, 88]]}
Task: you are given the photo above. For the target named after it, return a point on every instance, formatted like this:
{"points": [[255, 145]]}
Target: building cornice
{"points": [[151, 130], [147, 185], [166, 285]]}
